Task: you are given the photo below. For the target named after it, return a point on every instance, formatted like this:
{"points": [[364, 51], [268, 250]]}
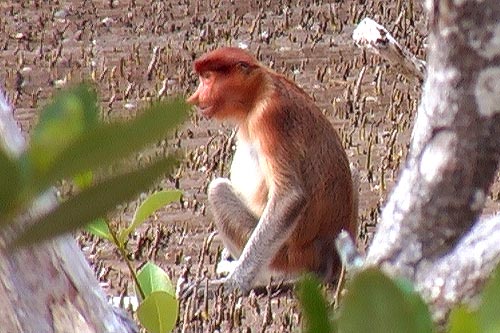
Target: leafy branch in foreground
{"points": [[158, 307], [69, 142]]}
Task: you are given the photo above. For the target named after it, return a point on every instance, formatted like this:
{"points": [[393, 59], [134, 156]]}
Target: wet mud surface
{"points": [[136, 51]]}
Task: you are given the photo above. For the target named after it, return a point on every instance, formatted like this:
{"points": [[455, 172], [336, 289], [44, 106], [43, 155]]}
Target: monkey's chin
{"points": [[206, 111]]}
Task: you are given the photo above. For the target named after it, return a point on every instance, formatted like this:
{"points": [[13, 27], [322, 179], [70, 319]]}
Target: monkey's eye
{"points": [[243, 66], [206, 75]]}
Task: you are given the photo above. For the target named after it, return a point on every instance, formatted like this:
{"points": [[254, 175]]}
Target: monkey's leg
{"points": [[232, 218], [234, 224]]}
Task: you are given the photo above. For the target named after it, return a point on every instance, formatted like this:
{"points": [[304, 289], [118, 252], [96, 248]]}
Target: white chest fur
{"points": [[247, 176]]}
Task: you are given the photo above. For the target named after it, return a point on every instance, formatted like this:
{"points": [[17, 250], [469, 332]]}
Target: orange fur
{"points": [[302, 170]]}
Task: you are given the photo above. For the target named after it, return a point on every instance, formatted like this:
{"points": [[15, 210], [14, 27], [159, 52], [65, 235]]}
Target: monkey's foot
{"points": [[226, 255], [206, 288], [226, 267]]}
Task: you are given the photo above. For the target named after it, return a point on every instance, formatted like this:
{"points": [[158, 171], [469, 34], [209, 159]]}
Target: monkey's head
{"points": [[231, 81]]}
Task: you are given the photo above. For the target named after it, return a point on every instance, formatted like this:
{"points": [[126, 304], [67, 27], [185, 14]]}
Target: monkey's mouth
{"points": [[206, 110]]}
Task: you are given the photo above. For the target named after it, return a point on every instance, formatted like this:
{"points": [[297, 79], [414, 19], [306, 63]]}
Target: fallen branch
{"points": [[374, 37]]}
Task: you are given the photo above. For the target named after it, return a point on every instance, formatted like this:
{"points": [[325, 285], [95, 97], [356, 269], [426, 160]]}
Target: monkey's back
{"points": [[311, 145]]}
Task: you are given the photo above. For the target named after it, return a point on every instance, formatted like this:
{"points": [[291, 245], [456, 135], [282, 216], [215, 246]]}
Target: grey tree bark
{"points": [[49, 287], [431, 230]]}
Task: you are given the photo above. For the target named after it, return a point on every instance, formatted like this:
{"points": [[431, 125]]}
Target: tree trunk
{"points": [[430, 231], [49, 287]]}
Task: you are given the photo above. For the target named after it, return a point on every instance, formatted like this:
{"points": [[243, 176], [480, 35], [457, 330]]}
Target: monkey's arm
{"points": [[275, 226]]}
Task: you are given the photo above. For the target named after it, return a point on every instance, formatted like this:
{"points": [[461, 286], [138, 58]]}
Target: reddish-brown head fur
{"points": [[224, 59], [231, 80]]}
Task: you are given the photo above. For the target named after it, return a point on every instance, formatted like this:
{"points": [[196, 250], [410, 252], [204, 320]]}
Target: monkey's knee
{"points": [[233, 220], [222, 199], [219, 188], [227, 206]]}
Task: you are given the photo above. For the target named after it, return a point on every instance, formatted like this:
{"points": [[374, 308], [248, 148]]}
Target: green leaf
{"points": [[152, 278], [376, 304], [94, 202], [104, 145], [158, 312], [10, 178], [84, 180], [314, 306], [489, 310], [72, 113], [462, 320], [416, 304], [148, 207], [100, 229]]}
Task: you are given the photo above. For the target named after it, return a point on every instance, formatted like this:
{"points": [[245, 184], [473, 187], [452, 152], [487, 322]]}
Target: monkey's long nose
{"points": [[194, 98]]}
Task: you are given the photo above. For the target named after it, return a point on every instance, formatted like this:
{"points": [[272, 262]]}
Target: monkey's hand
{"points": [[229, 269], [235, 281]]}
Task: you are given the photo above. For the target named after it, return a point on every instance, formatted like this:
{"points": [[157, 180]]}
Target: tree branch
{"points": [[430, 230], [460, 274]]}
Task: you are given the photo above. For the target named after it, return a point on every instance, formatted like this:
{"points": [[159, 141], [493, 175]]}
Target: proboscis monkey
{"points": [[290, 190]]}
